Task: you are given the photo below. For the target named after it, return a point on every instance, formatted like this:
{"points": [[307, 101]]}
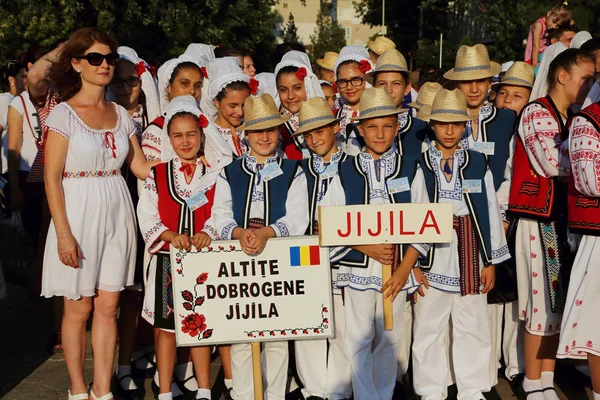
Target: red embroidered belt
{"points": [[91, 174]]}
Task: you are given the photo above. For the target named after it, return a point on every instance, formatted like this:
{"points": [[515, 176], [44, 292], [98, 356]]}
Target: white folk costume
{"points": [[373, 351], [222, 72], [353, 145], [98, 207], [287, 216], [538, 197], [204, 54], [580, 335], [162, 206]]}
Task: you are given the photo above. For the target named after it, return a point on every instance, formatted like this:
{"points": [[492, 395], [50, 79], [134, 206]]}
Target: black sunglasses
{"points": [[132, 81], [96, 59]]}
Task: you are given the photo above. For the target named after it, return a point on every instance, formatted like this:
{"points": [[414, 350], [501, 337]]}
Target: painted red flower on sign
{"points": [[365, 66], [187, 295], [193, 324], [202, 278]]}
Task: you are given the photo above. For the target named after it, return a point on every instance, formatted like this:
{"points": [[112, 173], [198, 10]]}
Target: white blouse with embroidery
{"points": [[228, 136], [584, 151], [294, 223]]}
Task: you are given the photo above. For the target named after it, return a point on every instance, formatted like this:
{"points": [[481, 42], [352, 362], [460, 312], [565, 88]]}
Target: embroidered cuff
{"points": [[500, 255], [280, 229], [422, 248], [336, 254], [211, 231], [151, 237], [228, 230]]}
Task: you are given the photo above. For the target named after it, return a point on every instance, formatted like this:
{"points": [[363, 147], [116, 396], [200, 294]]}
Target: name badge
{"points": [[305, 153], [270, 171], [471, 186], [197, 201], [330, 171], [486, 148], [398, 185]]}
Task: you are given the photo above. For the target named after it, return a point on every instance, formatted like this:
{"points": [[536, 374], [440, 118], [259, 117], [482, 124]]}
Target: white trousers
{"points": [[470, 345], [406, 343], [373, 350], [507, 340], [274, 367], [326, 373]]}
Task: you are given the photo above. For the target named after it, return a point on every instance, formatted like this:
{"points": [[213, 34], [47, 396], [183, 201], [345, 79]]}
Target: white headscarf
{"points": [[222, 72], [299, 59], [147, 80], [216, 150], [540, 86], [352, 52], [202, 53], [580, 38], [267, 83], [165, 73]]}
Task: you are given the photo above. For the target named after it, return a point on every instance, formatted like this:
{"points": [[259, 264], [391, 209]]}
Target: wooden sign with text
{"points": [[386, 223]]}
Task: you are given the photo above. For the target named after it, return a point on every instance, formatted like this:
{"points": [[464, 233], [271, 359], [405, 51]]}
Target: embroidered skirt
{"points": [[164, 317]]}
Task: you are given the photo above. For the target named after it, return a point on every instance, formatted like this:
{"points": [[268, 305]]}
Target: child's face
{"points": [[551, 20], [393, 83], [321, 140], [475, 91], [448, 134], [185, 137], [348, 76], [263, 143], [512, 97], [379, 133], [125, 76], [291, 92], [188, 81], [231, 107], [329, 95]]}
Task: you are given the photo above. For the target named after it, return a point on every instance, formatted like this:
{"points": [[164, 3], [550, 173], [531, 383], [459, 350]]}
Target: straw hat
{"points": [[380, 44], [261, 112], [449, 106], [391, 60], [424, 113], [376, 102], [472, 62], [328, 61], [519, 74], [426, 95], [314, 114]]}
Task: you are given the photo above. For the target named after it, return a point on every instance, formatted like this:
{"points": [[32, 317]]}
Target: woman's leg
{"points": [[594, 362], [165, 349], [225, 354], [104, 339], [75, 316], [128, 327], [201, 358]]}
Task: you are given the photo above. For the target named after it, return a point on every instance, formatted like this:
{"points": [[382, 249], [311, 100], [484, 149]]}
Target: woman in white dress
{"points": [[90, 250]]}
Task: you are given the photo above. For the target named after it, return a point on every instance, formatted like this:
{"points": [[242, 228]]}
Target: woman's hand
{"points": [[200, 240], [69, 252]]}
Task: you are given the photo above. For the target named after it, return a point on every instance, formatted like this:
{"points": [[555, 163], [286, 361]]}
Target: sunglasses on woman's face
{"points": [[96, 59], [132, 81]]}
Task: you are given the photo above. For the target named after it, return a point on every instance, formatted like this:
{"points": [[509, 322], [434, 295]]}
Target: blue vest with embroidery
{"points": [[499, 128], [312, 183], [241, 180], [475, 167], [411, 136], [356, 189]]}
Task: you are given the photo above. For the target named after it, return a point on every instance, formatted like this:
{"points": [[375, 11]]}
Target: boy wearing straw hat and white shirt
{"points": [[277, 206], [389, 178], [378, 46], [460, 273], [391, 73], [326, 66], [323, 365]]}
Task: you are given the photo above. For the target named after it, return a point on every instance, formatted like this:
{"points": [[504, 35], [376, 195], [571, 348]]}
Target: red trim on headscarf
{"points": [[204, 73], [365, 66], [140, 68], [153, 70], [301, 73], [253, 86]]}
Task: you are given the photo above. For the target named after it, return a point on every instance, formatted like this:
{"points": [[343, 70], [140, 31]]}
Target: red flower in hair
{"points": [[365, 66], [202, 121], [140, 68], [335, 88], [253, 86], [204, 73], [301, 73], [152, 70]]}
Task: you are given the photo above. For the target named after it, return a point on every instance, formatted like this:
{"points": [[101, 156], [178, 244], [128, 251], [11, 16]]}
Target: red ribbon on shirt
{"points": [[109, 142], [188, 169]]}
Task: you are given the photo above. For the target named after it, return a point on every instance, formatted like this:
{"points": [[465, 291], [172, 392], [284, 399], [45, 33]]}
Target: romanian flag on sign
{"points": [[304, 256]]}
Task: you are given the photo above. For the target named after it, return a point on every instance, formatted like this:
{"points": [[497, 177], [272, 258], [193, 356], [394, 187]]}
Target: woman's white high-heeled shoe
{"points": [[78, 396], [107, 396]]}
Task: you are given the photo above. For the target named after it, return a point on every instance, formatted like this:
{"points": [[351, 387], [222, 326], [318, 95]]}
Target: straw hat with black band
{"points": [[261, 113], [391, 60], [328, 60], [519, 74], [380, 44], [314, 114], [472, 63], [376, 102], [449, 106]]}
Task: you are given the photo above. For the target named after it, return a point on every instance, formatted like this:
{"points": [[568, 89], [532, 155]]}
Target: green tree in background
{"points": [[290, 32], [328, 35], [157, 29]]}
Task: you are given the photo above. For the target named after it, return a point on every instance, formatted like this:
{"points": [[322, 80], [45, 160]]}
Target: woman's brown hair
{"points": [[66, 80]]}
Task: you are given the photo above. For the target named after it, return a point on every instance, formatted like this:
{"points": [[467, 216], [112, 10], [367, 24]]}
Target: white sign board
{"points": [[389, 223], [222, 295]]}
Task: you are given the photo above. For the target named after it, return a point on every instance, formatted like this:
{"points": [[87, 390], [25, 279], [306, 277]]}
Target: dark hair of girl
{"points": [[233, 86], [66, 80], [347, 62], [566, 61], [10, 69], [290, 69], [180, 115], [181, 67]]}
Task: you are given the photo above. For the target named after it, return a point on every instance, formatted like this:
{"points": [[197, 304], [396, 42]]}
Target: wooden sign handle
{"points": [[388, 315], [257, 371]]}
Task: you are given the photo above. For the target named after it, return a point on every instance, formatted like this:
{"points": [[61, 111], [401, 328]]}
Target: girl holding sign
{"points": [[174, 210], [460, 273]]}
